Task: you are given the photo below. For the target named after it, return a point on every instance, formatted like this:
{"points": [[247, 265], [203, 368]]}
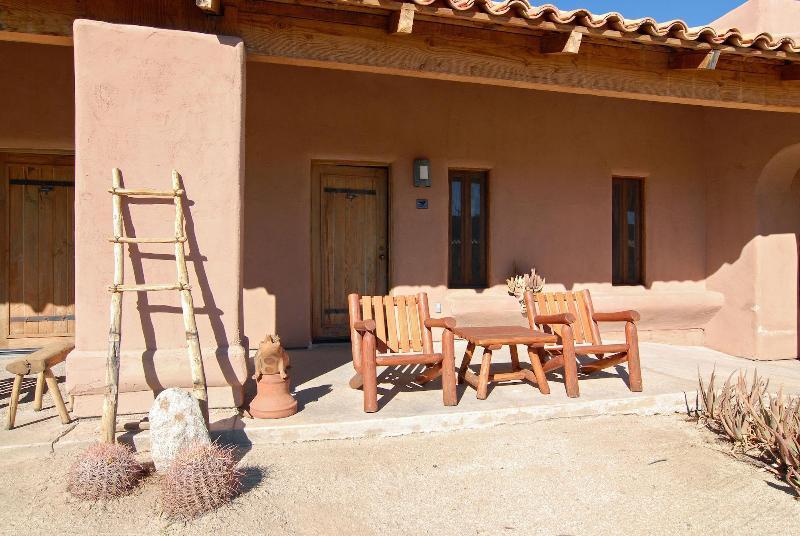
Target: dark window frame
{"points": [[468, 277], [625, 273]]}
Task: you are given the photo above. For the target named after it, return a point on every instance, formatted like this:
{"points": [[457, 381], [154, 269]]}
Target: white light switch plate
{"points": [[438, 307]]}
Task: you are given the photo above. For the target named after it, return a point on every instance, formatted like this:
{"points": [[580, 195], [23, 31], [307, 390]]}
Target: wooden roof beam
{"points": [[563, 43], [401, 22], [701, 61], [791, 73]]}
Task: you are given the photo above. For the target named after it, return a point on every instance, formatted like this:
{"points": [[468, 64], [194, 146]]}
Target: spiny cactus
{"points": [[202, 477], [104, 471]]}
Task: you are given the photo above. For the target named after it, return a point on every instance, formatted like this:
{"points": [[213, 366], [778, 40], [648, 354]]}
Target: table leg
{"points": [[465, 362], [536, 364], [483, 378], [514, 358]]}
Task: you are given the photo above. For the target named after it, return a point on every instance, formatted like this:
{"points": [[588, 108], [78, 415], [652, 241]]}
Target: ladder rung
{"points": [[146, 193], [134, 240], [150, 288]]}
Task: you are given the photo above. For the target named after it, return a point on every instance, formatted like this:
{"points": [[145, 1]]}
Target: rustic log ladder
{"points": [[200, 391]]}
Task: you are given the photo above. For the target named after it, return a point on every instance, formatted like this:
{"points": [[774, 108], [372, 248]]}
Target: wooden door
{"points": [[349, 242], [39, 268]]}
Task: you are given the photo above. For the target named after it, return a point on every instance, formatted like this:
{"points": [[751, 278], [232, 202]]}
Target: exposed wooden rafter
{"points": [[703, 61], [561, 43], [402, 21], [447, 45]]}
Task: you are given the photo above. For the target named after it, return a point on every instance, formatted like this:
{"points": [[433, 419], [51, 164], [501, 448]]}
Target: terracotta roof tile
{"points": [[616, 21]]}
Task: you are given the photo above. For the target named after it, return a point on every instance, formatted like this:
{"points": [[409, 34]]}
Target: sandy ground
{"points": [[603, 475]]}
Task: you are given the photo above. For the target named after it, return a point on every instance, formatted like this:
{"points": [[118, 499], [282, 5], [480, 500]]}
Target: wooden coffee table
{"points": [[494, 338]]}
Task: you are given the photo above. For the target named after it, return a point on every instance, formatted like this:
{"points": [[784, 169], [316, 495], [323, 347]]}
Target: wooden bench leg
{"points": [[14, 403], [570, 363], [356, 382], [52, 385], [37, 401], [465, 362], [369, 373], [448, 369], [483, 378], [634, 366], [536, 365], [514, 357]]}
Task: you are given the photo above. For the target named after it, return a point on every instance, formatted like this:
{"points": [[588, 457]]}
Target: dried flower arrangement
{"points": [[518, 285]]}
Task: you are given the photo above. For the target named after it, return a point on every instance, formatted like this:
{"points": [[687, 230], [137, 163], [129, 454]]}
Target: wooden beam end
{"points": [[690, 61], [401, 22], [212, 7], [562, 43]]}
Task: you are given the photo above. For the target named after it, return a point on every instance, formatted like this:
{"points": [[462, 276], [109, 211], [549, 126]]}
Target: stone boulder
{"points": [[175, 421]]}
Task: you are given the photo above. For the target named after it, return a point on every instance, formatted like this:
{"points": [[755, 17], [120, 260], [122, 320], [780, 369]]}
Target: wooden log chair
{"points": [[40, 363], [572, 318], [398, 330]]}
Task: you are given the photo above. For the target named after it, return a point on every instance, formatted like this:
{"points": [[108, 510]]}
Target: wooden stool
{"points": [[39, 362]]}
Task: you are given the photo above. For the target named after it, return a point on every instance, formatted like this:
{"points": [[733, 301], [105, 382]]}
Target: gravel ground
{"points": [[606, 475]]}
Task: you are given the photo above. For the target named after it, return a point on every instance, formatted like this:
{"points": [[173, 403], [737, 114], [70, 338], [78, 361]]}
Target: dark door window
{"points": [[467, 229], [628, 231]]}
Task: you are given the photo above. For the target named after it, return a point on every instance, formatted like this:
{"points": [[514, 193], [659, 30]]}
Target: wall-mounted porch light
{"points": [[422, 173]]}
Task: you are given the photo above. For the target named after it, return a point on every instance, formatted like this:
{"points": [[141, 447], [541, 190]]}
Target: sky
{"points": [[694, 12]]}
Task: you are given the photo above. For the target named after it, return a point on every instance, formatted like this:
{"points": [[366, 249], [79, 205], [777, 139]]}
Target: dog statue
{"points": [[271, 358]]}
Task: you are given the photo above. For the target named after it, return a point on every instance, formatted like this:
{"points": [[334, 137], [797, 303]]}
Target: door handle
{"points": [[382, 257]]}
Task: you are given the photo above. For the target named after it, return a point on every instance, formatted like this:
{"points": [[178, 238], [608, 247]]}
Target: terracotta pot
{"points": [[273, 400]]}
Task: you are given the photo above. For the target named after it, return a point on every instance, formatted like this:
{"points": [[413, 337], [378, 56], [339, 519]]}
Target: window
{"points": [[467, 229], [628, 230]]}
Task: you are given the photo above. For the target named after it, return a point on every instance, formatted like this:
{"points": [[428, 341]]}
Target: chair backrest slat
{"points": [[578, 331], [399, 322], [380, 320], [402, 321], [579, 303], [413, 323], [391, 324]]}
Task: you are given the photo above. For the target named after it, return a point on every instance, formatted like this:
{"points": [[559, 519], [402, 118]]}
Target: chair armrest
{"points": [[364, 325], [446, 323], [619, 316], [560, 318]]}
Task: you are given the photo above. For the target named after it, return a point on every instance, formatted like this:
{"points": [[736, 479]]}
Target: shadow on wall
{"points": [[200, 281]]}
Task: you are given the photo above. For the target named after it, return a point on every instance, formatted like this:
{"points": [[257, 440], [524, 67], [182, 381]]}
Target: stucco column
{"points": [[148, 101]]}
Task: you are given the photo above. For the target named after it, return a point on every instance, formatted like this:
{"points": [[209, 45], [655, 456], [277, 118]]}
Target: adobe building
{"points": [[384, 147]]}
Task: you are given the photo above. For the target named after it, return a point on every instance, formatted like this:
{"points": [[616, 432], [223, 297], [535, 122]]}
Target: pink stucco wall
{"points": [[551, 158], [148, 101], [38, 104], [721, 195]]}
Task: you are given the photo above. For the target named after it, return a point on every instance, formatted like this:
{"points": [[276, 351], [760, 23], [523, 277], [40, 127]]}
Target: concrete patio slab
{"points": [[329, 409]]}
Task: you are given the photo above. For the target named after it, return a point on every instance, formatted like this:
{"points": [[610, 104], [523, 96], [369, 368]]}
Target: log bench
{"points": [[40, 363]]}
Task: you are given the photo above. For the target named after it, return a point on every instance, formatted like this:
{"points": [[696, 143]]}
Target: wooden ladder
{"points": [[199, 390]]}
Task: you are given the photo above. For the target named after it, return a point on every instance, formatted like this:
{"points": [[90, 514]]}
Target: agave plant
{"points": [[762, 425]]}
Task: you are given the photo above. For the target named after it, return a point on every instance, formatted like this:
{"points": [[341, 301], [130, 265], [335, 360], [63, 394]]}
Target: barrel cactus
{"points": [[202, 477], [104, 471]]}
